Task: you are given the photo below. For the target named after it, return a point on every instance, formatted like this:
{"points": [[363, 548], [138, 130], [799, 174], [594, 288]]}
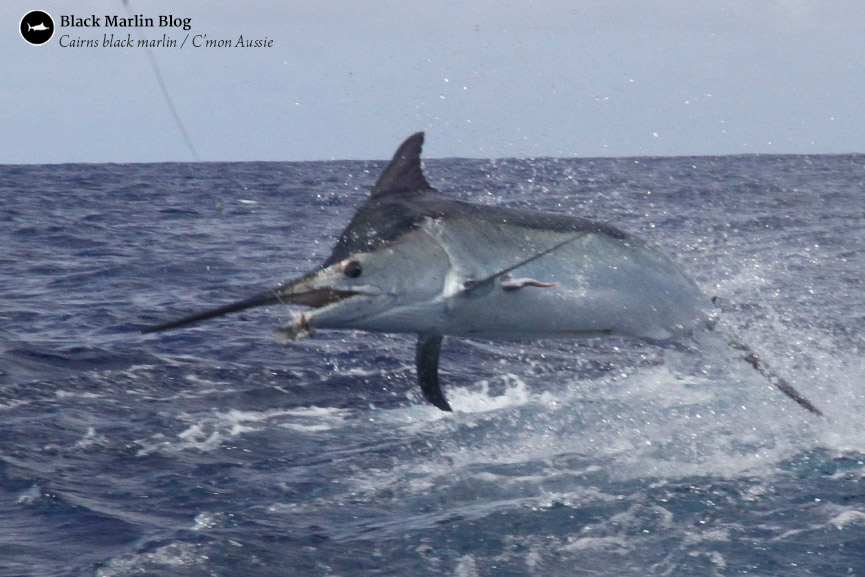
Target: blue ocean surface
{"points": [[213, 450]]}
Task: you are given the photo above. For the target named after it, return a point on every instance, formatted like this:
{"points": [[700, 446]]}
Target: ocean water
{"points": [[216, 451]]}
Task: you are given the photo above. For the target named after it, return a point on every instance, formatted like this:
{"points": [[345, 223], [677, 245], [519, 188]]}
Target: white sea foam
{"points": [[847, 518], [29, 496], [208, 432], [473, 400], [91, 439], [174, 556], [613, 544], [466, 567]]}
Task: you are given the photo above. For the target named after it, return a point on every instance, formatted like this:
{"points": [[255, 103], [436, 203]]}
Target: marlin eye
{"points": [[352, 269]]}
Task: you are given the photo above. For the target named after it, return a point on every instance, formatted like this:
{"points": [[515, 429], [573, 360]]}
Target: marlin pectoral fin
{"points": [[474, 285], [427, 361], [518, 283]]}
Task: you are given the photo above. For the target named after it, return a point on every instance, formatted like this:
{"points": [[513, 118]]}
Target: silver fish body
{"points": [[413, 260]]}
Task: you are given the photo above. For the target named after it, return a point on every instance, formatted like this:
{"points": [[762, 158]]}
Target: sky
{"points": [[483, 78]]}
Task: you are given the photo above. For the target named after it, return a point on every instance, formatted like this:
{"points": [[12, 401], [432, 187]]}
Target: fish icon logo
{"points": [[37, 27]]}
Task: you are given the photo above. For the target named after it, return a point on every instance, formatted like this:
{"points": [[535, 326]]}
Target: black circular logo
{"points": [[37, 27]]}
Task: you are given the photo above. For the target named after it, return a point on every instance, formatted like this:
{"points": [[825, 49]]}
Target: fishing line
{"points": [[165, 94], [163, 87]]}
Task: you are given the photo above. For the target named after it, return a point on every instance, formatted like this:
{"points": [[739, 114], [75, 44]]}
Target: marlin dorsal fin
{"points": [[404, 173]]}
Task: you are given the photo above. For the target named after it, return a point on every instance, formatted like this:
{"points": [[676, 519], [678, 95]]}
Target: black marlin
{"points": [[413, 260]]}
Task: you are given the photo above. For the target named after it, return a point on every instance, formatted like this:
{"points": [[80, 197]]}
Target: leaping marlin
{"points": [[413, 260]]}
